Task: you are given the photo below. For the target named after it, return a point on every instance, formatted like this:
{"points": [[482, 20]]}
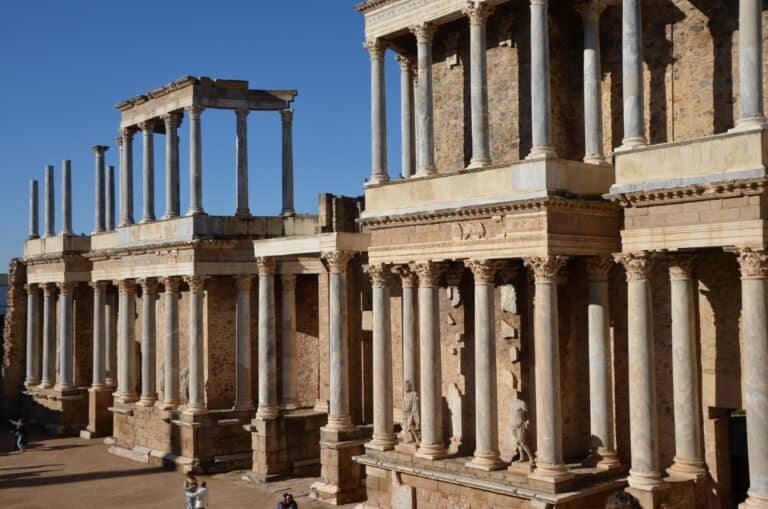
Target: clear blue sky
{"points": [[65, 64]]}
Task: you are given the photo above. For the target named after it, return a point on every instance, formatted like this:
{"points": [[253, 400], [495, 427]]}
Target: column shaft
{"points": [[50, 220], [290, 359], [33, 336], [407, 140], [287, 118], [410, 329], [99, 303], [339, 417], [110, 339], [379, 172], [148, 128], [171, 389], [632, 74], [126, 347], [267, 408], [425, 137], [34, 222], [383, 420], [196, 402], [99, 190], [241, 148], [593, 94], [751, 112], [49, 335], [243, 375], [172, 207], [66, 197], [541, 104], [195, 162], [109, 206], [148, 342], [67, 343], [126, 177], [478, 13]]}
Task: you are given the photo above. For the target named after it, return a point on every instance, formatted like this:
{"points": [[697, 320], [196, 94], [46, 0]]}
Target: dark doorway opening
{"points": [[737, 437]]}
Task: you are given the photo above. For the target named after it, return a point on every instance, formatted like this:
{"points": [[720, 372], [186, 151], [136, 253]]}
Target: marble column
{"points": [[550, 467], [49, 335], [149, 289], [289, 365], [632, 74], [66, 337], [432, 445], [148, 129], [243, 372], [286, 116], [171, 297], [593, 93], [109, 205], [383, 418], [407, 140], [126, 343], [478, 13], [486, 455], [34, 221], [33, 336], [66, 197], [126, 176], [645, 473], [267, 408], [50, 219], [195, 161], [601, 418], [379, 172], [98, 381], [241, 149], [541, 103], [410, 332], [172, 206], [754, 279], [751, 110], [100, 225], [339, 416], [425, 136], [110, 338], [196, 402]]}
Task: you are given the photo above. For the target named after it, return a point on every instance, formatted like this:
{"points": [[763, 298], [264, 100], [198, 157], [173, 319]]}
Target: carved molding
{"points": [[171, 120], [147, 126], [545, 268], [406, 63], [717, 190], [484, 271], [337, 260], [637, 265], [599, 267], [753, 263]]}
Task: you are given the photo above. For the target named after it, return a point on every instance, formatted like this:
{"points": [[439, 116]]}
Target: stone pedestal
{"points": [[270, 452], [61, 413], [341, 479], [99, 417]]}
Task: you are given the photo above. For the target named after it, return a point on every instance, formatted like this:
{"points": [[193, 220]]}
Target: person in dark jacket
{"points": [[20, 433], [287, 502], [622, 500]]}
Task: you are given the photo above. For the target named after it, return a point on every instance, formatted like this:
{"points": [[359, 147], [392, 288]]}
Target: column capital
{"points": [[265, 265], [172, 119], [286, 115], [149, 285], [147, 126], [98, 286], [244, 282], [194, 111], [429, 273], [126, 133], [66, 287], [545, 268], [288, 281], [100, 149], [31, 287], [48, 289], [338, 260], [379, 275], [376, 48], [753, 263], [126, 285], [478, 12], [484, 271], [591, 10], [406, 63], [408, 277], [196, 283], [423, 31], [508, 271], [637, 265], [171, 284], [242, 113], [681, 266], [599, 267]]}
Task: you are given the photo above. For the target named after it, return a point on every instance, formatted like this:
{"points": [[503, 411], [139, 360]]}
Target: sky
{"points": [[65, 64]]}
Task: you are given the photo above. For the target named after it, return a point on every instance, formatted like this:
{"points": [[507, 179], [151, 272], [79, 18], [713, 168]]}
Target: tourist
{"points": [[622, 500], [190, 490], [201, 496], [287, 502], [20, 432]]}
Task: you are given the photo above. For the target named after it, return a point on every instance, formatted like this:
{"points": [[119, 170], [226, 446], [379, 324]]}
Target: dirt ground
{"points": [[65, 473]]}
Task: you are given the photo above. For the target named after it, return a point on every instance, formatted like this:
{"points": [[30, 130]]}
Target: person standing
{"points": [[287, 502], [20, 433], [190, 490], [201, 496]]}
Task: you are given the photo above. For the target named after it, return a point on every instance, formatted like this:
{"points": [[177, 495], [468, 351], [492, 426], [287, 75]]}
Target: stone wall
{"points": [[83, 337], [220, 355], [307, 340], [14, 340]]}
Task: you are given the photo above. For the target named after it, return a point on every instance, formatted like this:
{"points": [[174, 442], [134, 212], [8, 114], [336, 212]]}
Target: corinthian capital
{"points": [[599, 267], [407, 276], [66, 287], [244, 282], [406, 63], [478, 12], [126, 286], [194, 111], [126, 133], [753, 263], [423, 32], [429, 273], [150, 285], [171, 120], [637, 265], [484, 271], [171, 284], [378, 274], [196, 283], [376, 48], [545, 268], [265, 265], [148, 126], [337, 260]]}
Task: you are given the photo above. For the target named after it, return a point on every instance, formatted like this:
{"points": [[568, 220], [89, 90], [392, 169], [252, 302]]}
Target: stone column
{"points": [[267, 408], [126, 346], [541, 104], [632, 74], [593, 94], [109, 206], [148, 128], [100, 225], [478, 13], [98, 381], [149, 288], [339, 417], [425, 136], [550, 468], [643, 423], [241, 147], [34, 222], [407, 140], [50, 220], [754, 276], [66, 337], [379, 172], [410, 331], [33, 336], [49, 335], [171, 389], [195, 162], [751, 111], [432, 445], [196, 402], [287, 117], [126, 176], [290, 359], [110, 339], [601, 418], [172, 207], [243, 374], [486, 403], [66, 197], [383, 419]]}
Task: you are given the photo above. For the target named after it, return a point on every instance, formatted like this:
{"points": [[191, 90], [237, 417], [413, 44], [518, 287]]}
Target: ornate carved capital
{"points": [[408, 278], [150, 285], [637, 265], [171, 120], [287, 115], [753, 263], [478, 12], [265, 265], [48, 289], [126, 286], [545, 268], [507, 271], [148, 126], [126, 134], [591, 10], [681, 266], [599, 267], [378, 274], [100, 149], [196, 283], [244, 282], [337, 260], [171, 284], [423, 32], [194, 111], [288, 282], [406, 63], [429, 273], [31, 287], [376, 48], [454, 274], [484, 271], [66, 287], [98, 286]]}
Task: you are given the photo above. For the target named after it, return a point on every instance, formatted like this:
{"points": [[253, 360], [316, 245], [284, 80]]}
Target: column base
{"points": [[542, 152], [597, 160], [644, 480], [46, 385], [423, 172], [321, 405], [245, 213], [341, 481], [167, 405], [145, 220], [99, 416], [632, 143], [146, 401], [126, 398], [169, 215], [267, 412], [382, 443], [270, 450], [486, 461], [551, 478], [749, 124], [290, 212], [339, 424], [431, 451], [246, 406], [31, 383], [197, 410], [686, 469], [478, 163], [754, 501], [650, 498], [377, 179], [195, 212]]}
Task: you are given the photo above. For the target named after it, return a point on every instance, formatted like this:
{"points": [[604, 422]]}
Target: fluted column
{"points": [[267, 408], [289, 364], [593, 94], [98, 381], [110, 339], [286, 116], [148, 128], [478, 13], [486, 455], [383, 419], [100, 225], [407, 140], [171, 389], [339, 417], [33, 336], [126, 345], [601, 417], [751, 110], [643, 422], [66, 337], [109, 205], [126, 176], [410, 330], [196, 402], [632, 74], [66, 197], [432, 445], [34, 221], [243, 373], [241, 147], [172, 207], [425, 136], [379, 172], [49, 335], [149, 289], [50, 211], [195, 161], [754, 279]]}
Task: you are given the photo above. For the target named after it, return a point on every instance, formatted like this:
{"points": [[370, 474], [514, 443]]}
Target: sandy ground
{"points": [[74, 473]]}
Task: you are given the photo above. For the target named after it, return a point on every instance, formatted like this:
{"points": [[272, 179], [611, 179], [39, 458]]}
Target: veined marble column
{"points": [[383, 419], [109, 212], [66, 197], [171, 389], [126, 345], [286, 116], [751, 111], [149, 288], [267, 408], [632, 74], [50, 220], [196, 375], [432, 445], [100, 225], [754, 279], [49, 335], [241, 149], [243, 374], [593, 94], [425, 136], [290, 359], [478, 13], [98, 382], [172, 207], [195, 162], [33, 336], [126, 176], [410, 331], [339, 417], [643, 422], [407, 140], [379, 173], [541, 103], [550, 467], [34, 222], [601, 419], [486, 455], [66, 337], [110, 338], [148, 128]]}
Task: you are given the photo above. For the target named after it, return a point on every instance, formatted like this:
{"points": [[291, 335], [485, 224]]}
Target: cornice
{"points": [[370, 5], [159, 248], [695, 192]]}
